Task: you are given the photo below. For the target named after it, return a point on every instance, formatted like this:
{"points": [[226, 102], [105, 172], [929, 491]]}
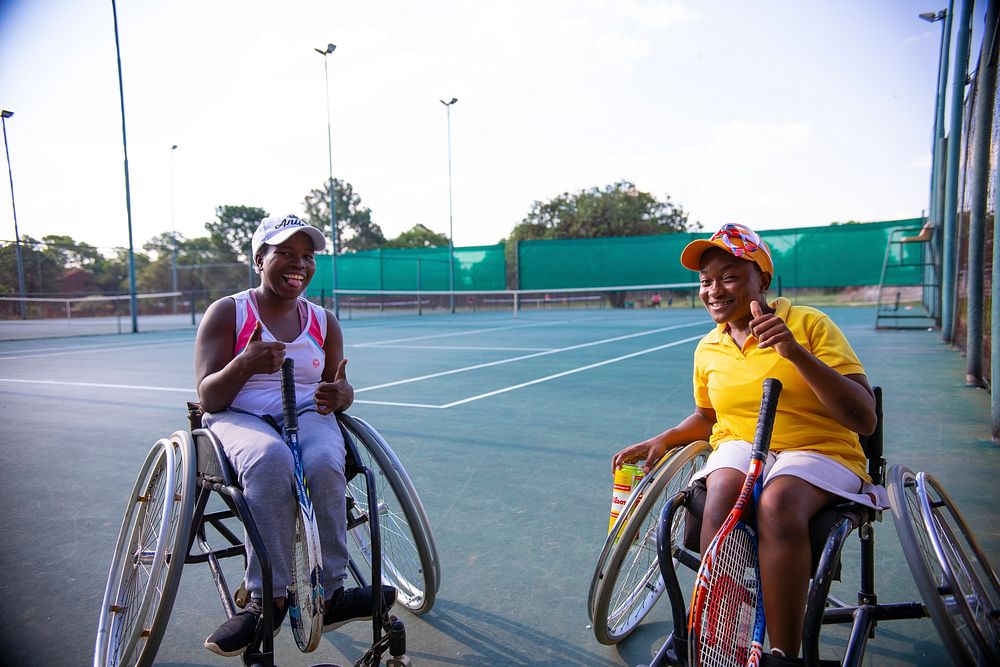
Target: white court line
{"points": [[460, 347], [571, 371], [101, 385], [409, 380], [134, 387], [94, 348], [467, 332], [524, 356]]}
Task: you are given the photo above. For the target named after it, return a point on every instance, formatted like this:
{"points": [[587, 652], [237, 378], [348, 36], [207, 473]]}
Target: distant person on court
{"points": [[655, 301], [816, 457], [242, 341]]}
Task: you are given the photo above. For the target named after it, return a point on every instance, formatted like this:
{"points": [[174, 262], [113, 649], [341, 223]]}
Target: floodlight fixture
{"points": [[932, 17], [5, 113], [330, 48], [448, 104]]}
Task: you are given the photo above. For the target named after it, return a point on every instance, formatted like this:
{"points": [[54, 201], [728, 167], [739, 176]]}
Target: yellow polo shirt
{"points": [[729, 380]]}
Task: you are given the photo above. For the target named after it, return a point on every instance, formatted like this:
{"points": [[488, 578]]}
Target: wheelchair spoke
{"points": [[408, 554]]}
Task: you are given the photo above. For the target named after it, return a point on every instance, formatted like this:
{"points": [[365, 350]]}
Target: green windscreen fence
{"points": [[806, 257], [413, 269]]}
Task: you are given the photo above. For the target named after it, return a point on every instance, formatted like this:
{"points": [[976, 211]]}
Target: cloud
{"points": [[659, 14], [626, 49]]}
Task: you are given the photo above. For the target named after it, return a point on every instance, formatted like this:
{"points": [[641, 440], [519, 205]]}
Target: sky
{"points": [[773, 114]]}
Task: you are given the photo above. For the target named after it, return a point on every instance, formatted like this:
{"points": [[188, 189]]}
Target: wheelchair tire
{"points": [[627, 581], [149, 556], [409, 555], [955, 580]]}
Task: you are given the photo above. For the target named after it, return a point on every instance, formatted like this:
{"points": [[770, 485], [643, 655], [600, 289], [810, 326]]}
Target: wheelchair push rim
{"points": [[144, 574], [955, 580], [628, 581], [409, 554]]}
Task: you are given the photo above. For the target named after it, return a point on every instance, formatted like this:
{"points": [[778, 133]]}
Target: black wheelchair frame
{"points": [[159, 524]]}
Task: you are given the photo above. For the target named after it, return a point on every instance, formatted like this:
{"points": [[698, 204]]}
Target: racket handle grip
{"points": [[288, 395], [765, 421]]}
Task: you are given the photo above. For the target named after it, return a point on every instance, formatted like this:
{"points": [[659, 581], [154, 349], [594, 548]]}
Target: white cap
{"points": [[276, 229]]}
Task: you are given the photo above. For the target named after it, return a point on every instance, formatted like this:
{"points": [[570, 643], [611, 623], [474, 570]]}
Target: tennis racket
{"points": [[305, 595], [726, 622]]}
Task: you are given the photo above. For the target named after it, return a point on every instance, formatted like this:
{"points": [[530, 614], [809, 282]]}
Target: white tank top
{"points": [[262, 392]]}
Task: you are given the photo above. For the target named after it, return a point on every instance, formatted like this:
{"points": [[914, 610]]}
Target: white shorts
{"points": [[820, 471]]}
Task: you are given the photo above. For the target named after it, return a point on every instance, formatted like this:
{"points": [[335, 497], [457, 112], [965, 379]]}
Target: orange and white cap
{"points": [[738, 240]]}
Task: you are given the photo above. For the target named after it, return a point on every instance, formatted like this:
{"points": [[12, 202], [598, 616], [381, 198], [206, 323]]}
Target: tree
{"points": [[43, 269], [417, 236], [232, 229], [355, 229], [619, 209]]}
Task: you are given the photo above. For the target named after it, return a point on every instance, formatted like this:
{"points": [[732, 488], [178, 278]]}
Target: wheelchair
{"points": [[167, 525], [654, 548]]}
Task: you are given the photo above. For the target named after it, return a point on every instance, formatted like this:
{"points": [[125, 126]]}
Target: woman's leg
{"points": [[265, 470], [786, 507], [722, 488], [323, 458]]}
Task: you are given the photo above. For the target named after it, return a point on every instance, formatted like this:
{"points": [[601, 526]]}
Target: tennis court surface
{"points": [[506, 427]]}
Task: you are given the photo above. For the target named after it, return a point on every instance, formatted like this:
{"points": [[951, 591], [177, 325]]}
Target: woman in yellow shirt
{"points": [[816, 457]]}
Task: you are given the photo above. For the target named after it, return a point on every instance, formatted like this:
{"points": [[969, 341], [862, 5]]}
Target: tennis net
{"points": [[358, 304], [37, 317], [40, 317]]}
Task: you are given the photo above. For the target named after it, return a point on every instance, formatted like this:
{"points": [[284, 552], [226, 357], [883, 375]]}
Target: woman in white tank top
{"points": [[242, 341]]}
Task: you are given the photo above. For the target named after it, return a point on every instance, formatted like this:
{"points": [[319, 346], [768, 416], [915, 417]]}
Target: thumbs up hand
{"points": [[261, 357], [771, 331], [337, 395], [258, 333]]}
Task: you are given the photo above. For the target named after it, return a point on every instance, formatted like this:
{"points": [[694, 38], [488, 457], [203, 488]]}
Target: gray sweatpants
{"points": [[266, 471]]}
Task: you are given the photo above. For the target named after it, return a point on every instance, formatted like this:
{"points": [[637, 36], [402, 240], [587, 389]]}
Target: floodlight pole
{"points": [[950, 224], [173, 226], [935, 215], [128, 196], [330, 48], [451, 228], [5, 114]]}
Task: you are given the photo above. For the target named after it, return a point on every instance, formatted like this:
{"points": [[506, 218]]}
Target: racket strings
{"points": [[731, 602]]}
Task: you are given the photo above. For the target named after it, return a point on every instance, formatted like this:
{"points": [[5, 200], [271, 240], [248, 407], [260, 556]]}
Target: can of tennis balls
{"points": [[626, 479]]}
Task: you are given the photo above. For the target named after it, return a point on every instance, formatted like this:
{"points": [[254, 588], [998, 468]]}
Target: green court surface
{"points": [[506, 427]]}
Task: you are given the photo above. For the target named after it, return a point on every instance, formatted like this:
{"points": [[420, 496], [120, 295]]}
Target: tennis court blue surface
{"points": [[506, 427]]}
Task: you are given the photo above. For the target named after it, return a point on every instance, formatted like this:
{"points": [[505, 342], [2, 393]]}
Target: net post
{"points": [[68, 316], [193, 308], [517, 295]]}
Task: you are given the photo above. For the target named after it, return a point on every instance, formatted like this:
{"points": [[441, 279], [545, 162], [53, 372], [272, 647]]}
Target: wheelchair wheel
{"points": [[149, 556], [627, 581], [409, 555], [954, 577]]}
